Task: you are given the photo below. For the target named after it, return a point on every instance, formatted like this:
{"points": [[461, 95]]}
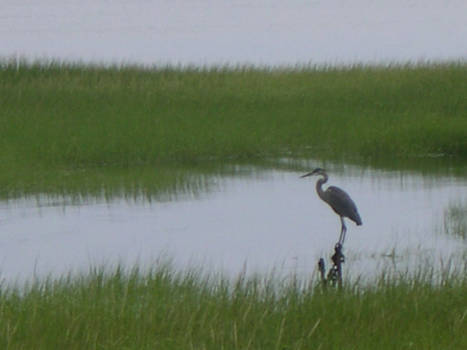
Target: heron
{"points": [[338, 200]]}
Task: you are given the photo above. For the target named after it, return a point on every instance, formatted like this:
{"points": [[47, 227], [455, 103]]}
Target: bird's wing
{"points": [[342, 204]]}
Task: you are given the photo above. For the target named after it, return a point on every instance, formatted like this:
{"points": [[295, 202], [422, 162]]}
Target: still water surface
{"points": [[270, 32], [272, 220]]}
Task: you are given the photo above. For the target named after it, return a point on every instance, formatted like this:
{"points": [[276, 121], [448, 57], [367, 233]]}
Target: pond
{"points": [[261, 32], [264, 221]]}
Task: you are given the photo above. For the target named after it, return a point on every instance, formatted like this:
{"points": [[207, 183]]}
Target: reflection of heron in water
{"points": [[339, 201]]}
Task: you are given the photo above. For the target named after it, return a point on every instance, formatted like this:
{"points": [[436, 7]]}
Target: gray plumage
{"points": [[338, 200]]}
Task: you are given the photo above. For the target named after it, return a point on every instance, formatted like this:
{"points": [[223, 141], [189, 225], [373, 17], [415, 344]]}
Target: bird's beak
{"points": [[309, 174]]}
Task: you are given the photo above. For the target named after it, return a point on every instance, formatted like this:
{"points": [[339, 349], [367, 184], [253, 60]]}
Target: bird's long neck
{"points": [[319, 185]]}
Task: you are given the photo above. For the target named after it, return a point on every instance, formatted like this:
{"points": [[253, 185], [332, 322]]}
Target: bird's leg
{"points": [[343, 231]]}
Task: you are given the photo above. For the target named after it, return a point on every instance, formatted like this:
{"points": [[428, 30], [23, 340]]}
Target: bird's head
{"points": [[317, 171]]}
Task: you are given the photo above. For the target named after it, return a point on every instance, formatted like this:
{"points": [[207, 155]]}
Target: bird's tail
{"points": [[358, 220]]}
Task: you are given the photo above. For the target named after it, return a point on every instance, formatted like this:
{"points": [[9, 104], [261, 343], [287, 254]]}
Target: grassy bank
{"points": [[162, 309], [76, 115], [60, 118]]}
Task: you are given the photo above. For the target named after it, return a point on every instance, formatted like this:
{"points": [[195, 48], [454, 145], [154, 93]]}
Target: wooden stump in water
{"points": [[334, 275]]}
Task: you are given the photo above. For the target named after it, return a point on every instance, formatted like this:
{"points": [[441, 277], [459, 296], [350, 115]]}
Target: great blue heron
{"points": [[338, 200]]}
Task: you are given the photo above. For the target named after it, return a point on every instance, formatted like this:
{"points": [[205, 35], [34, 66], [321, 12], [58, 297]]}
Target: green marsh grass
{"points": [[455, 219], [61, 118], [80, 115], [163, 309]]}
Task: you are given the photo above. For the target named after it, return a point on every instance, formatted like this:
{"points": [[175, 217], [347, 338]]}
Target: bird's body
{"points": [[338, 200]]}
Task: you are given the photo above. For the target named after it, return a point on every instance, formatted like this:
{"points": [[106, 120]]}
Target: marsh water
{"points": [[260, 220], [264, 32]]}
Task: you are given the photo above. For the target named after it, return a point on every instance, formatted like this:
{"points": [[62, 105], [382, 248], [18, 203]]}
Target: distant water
{"points": [[273, 220], [262, 32]]}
